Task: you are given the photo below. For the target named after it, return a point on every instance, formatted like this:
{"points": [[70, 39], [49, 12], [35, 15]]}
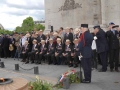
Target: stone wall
{"points": [[71, 13]]}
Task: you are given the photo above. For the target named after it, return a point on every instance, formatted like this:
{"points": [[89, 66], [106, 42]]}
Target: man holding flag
{"points": [[86, 52]]}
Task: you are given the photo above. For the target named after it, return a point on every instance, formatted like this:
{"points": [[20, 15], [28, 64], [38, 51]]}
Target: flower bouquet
{"points": [[71, 74]]}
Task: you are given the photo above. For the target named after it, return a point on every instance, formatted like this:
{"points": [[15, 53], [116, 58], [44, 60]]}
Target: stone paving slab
{"points": [[100, 80]]}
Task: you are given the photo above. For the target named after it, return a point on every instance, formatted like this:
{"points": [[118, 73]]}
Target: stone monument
{"points": [[71, 13]]}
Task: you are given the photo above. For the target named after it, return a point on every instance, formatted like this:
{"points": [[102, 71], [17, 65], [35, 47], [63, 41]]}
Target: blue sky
{"points": [[13, 12]]}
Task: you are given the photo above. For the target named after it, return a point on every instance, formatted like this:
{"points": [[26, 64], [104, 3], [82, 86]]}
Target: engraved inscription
{"points": [[70, 5]]}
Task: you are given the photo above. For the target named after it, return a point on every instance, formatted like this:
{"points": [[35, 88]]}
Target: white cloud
{"points": [[13, 12]]}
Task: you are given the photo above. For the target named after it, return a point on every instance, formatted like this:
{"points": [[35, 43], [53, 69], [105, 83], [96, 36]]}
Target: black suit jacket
{"points": [[113, 39], [51, 49], [43, 50], [59, 48], [101, 42], [26, 50], [42, 37], [69, 36], [68, 49], [75, 49], [5, 42]]}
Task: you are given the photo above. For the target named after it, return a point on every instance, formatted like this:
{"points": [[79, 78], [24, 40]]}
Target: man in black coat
{"points": [[75, 53], [58, 51], [5, 45], [102, 46], [66, 55], [41, 36], [42, 51], [50, 57], [25, 51], [32, 53], [85, 52], [68, 35], [113, 40]]}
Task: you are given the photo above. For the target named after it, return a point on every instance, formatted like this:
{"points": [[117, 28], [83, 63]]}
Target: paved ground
{"points": [[100, 81]]}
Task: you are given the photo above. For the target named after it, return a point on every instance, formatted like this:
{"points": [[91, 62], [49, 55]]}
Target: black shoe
{"points": [[26, 62], [39, 62], [102, 70], [85, 81], [75, 66], [32, 62], [70, 65]]}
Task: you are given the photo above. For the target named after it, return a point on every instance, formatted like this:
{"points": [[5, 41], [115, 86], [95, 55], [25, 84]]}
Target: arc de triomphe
{"points": [[71, 13]]}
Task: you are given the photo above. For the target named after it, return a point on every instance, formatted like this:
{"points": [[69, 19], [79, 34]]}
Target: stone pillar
{"points": [[113, 11]]}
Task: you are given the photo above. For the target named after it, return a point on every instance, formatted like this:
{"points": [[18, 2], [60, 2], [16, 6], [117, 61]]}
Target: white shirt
{"points": [[94, 45], [22, 40]]}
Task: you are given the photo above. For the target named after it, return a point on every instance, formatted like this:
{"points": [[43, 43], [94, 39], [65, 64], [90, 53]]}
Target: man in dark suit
{"points": [[30, 41], [58, 51], [50, 57], [66, 55], [32, 53], [86, 52], [41, 36], [75, 53], [5, 45], [113, 36], [25, 51], [68, 35], [42, 51], [102, 46]]}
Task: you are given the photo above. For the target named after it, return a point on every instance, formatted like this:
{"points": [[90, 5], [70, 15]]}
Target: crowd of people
{"points": [[62, 47]]}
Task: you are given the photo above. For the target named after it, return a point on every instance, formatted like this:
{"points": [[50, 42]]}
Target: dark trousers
{"points": [[114, 58], [94, 59], [57, 60], [75, 59], [40, 57], [50, 58], [66, 58], [103, 56], [86, 64], [5, 52], [24, 56], [31, 55]]}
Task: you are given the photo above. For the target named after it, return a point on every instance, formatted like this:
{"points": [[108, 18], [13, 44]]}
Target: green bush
{"points": [[40, 85]]}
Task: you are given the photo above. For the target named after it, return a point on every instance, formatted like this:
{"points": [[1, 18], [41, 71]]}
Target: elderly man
{"points": [[32, 53], [102, 46], [42, 51], [113, 36], [66, 55], [41, 36], [77, 33], [25, 51], [58, 51], [50, 57], [68, 35], [86, 52], [75, 53]]}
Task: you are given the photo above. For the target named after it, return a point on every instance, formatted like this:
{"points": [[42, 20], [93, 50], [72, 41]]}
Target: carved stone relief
{"points": [[70, 5]]}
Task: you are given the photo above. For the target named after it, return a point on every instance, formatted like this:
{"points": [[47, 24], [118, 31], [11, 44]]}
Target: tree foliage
{"points": [[28, 25], [5, 32]]}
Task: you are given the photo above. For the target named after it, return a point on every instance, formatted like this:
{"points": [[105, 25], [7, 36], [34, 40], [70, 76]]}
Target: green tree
{"points": [[39, 26], [28, 24]]}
